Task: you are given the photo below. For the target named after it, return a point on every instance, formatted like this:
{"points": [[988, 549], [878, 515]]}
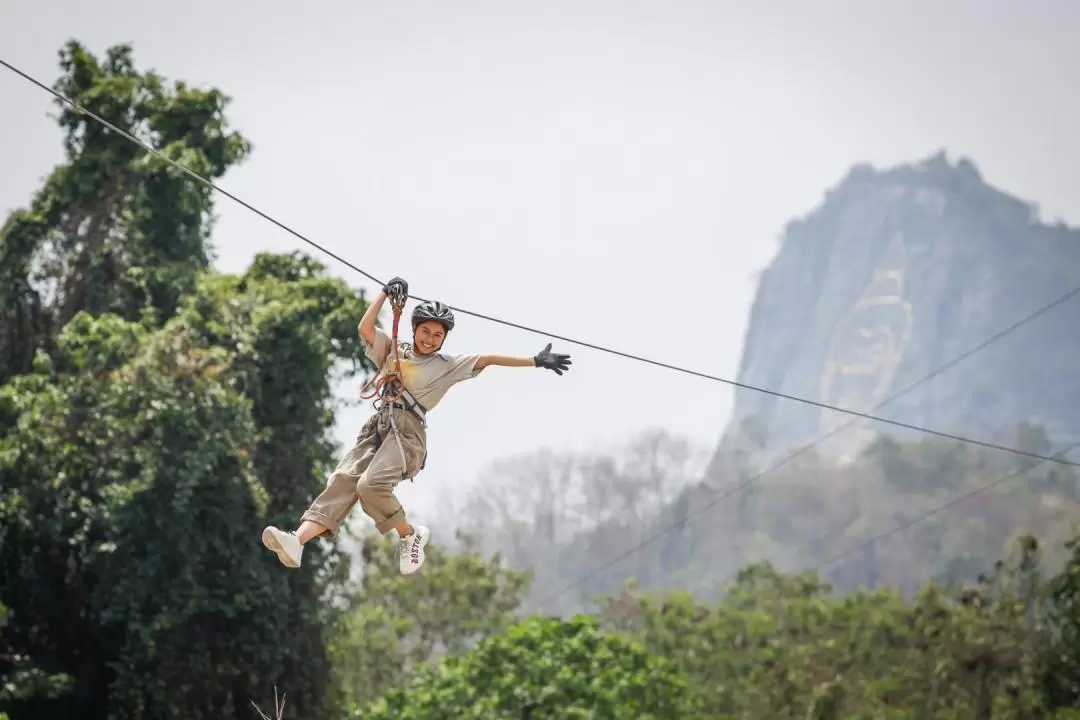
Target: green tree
{"points": [[1062, 673], [24, 680], [113, 228], [391, 624], [156, 417], [784, 646], [544, 668], [134, 466], [128, 452]]}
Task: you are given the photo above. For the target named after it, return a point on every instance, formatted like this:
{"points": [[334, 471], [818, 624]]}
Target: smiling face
{"points": [[428, 337]]}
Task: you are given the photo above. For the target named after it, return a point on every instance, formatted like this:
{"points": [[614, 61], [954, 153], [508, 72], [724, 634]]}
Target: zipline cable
{"points": [[675, 368]]}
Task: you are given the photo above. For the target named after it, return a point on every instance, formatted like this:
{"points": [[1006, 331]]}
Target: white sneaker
{"points": [[285, 544], [411, 549]]}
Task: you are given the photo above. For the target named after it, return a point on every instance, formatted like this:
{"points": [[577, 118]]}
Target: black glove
{"points": [[396, 284], [552, 361]]}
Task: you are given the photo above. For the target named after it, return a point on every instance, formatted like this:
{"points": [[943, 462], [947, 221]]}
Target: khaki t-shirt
{"points": [[427, 377]]}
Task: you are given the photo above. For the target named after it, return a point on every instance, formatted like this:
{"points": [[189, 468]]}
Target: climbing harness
{"points": [[389, 389]]}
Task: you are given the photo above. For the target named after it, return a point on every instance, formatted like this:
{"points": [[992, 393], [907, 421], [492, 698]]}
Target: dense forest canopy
{"points": [[155, 413]]}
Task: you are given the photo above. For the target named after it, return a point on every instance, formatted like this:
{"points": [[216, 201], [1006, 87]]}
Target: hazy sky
{"points": [[615, 171]]}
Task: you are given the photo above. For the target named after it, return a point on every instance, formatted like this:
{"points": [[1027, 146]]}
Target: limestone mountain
{"points": [[896, 273]]}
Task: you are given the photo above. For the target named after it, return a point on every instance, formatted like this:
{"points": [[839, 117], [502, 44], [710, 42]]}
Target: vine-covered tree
{"points": [[155, 416]]}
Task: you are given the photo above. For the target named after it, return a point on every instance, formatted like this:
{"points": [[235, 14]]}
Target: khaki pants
{"points": [[371, 470]]}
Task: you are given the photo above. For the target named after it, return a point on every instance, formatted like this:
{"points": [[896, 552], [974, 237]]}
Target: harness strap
{"points": [[413, 405], [400, 445], [379, 439]]}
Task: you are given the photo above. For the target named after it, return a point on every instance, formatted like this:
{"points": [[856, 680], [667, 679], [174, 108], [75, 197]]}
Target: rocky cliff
{"points": [[895, 274]]}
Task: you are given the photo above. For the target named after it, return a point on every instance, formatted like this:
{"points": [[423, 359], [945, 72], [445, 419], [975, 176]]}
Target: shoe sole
{"points": [[271, 543], [413, 568]]}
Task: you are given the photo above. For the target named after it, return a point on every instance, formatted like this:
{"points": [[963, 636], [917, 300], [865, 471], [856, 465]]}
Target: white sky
{"points": [[612, 171]]}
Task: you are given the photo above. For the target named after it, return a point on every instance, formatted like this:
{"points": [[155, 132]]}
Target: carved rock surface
{"points": [[898, 272]]}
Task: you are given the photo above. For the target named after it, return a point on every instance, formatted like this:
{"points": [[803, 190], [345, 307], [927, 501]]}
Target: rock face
{"points": [[898, 272]]}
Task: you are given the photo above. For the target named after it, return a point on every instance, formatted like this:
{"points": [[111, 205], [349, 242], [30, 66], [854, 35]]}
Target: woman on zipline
{"points": [[412, 379]]}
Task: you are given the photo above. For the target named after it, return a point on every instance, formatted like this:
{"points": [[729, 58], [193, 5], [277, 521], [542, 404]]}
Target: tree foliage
{"points": [[391, 625], [113, 229], [156, 415], [543, 668], [1062, 672], [786, 646]]}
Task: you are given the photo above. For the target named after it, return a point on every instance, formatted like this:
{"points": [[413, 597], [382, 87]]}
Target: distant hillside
{"points": [[584, 524]]}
